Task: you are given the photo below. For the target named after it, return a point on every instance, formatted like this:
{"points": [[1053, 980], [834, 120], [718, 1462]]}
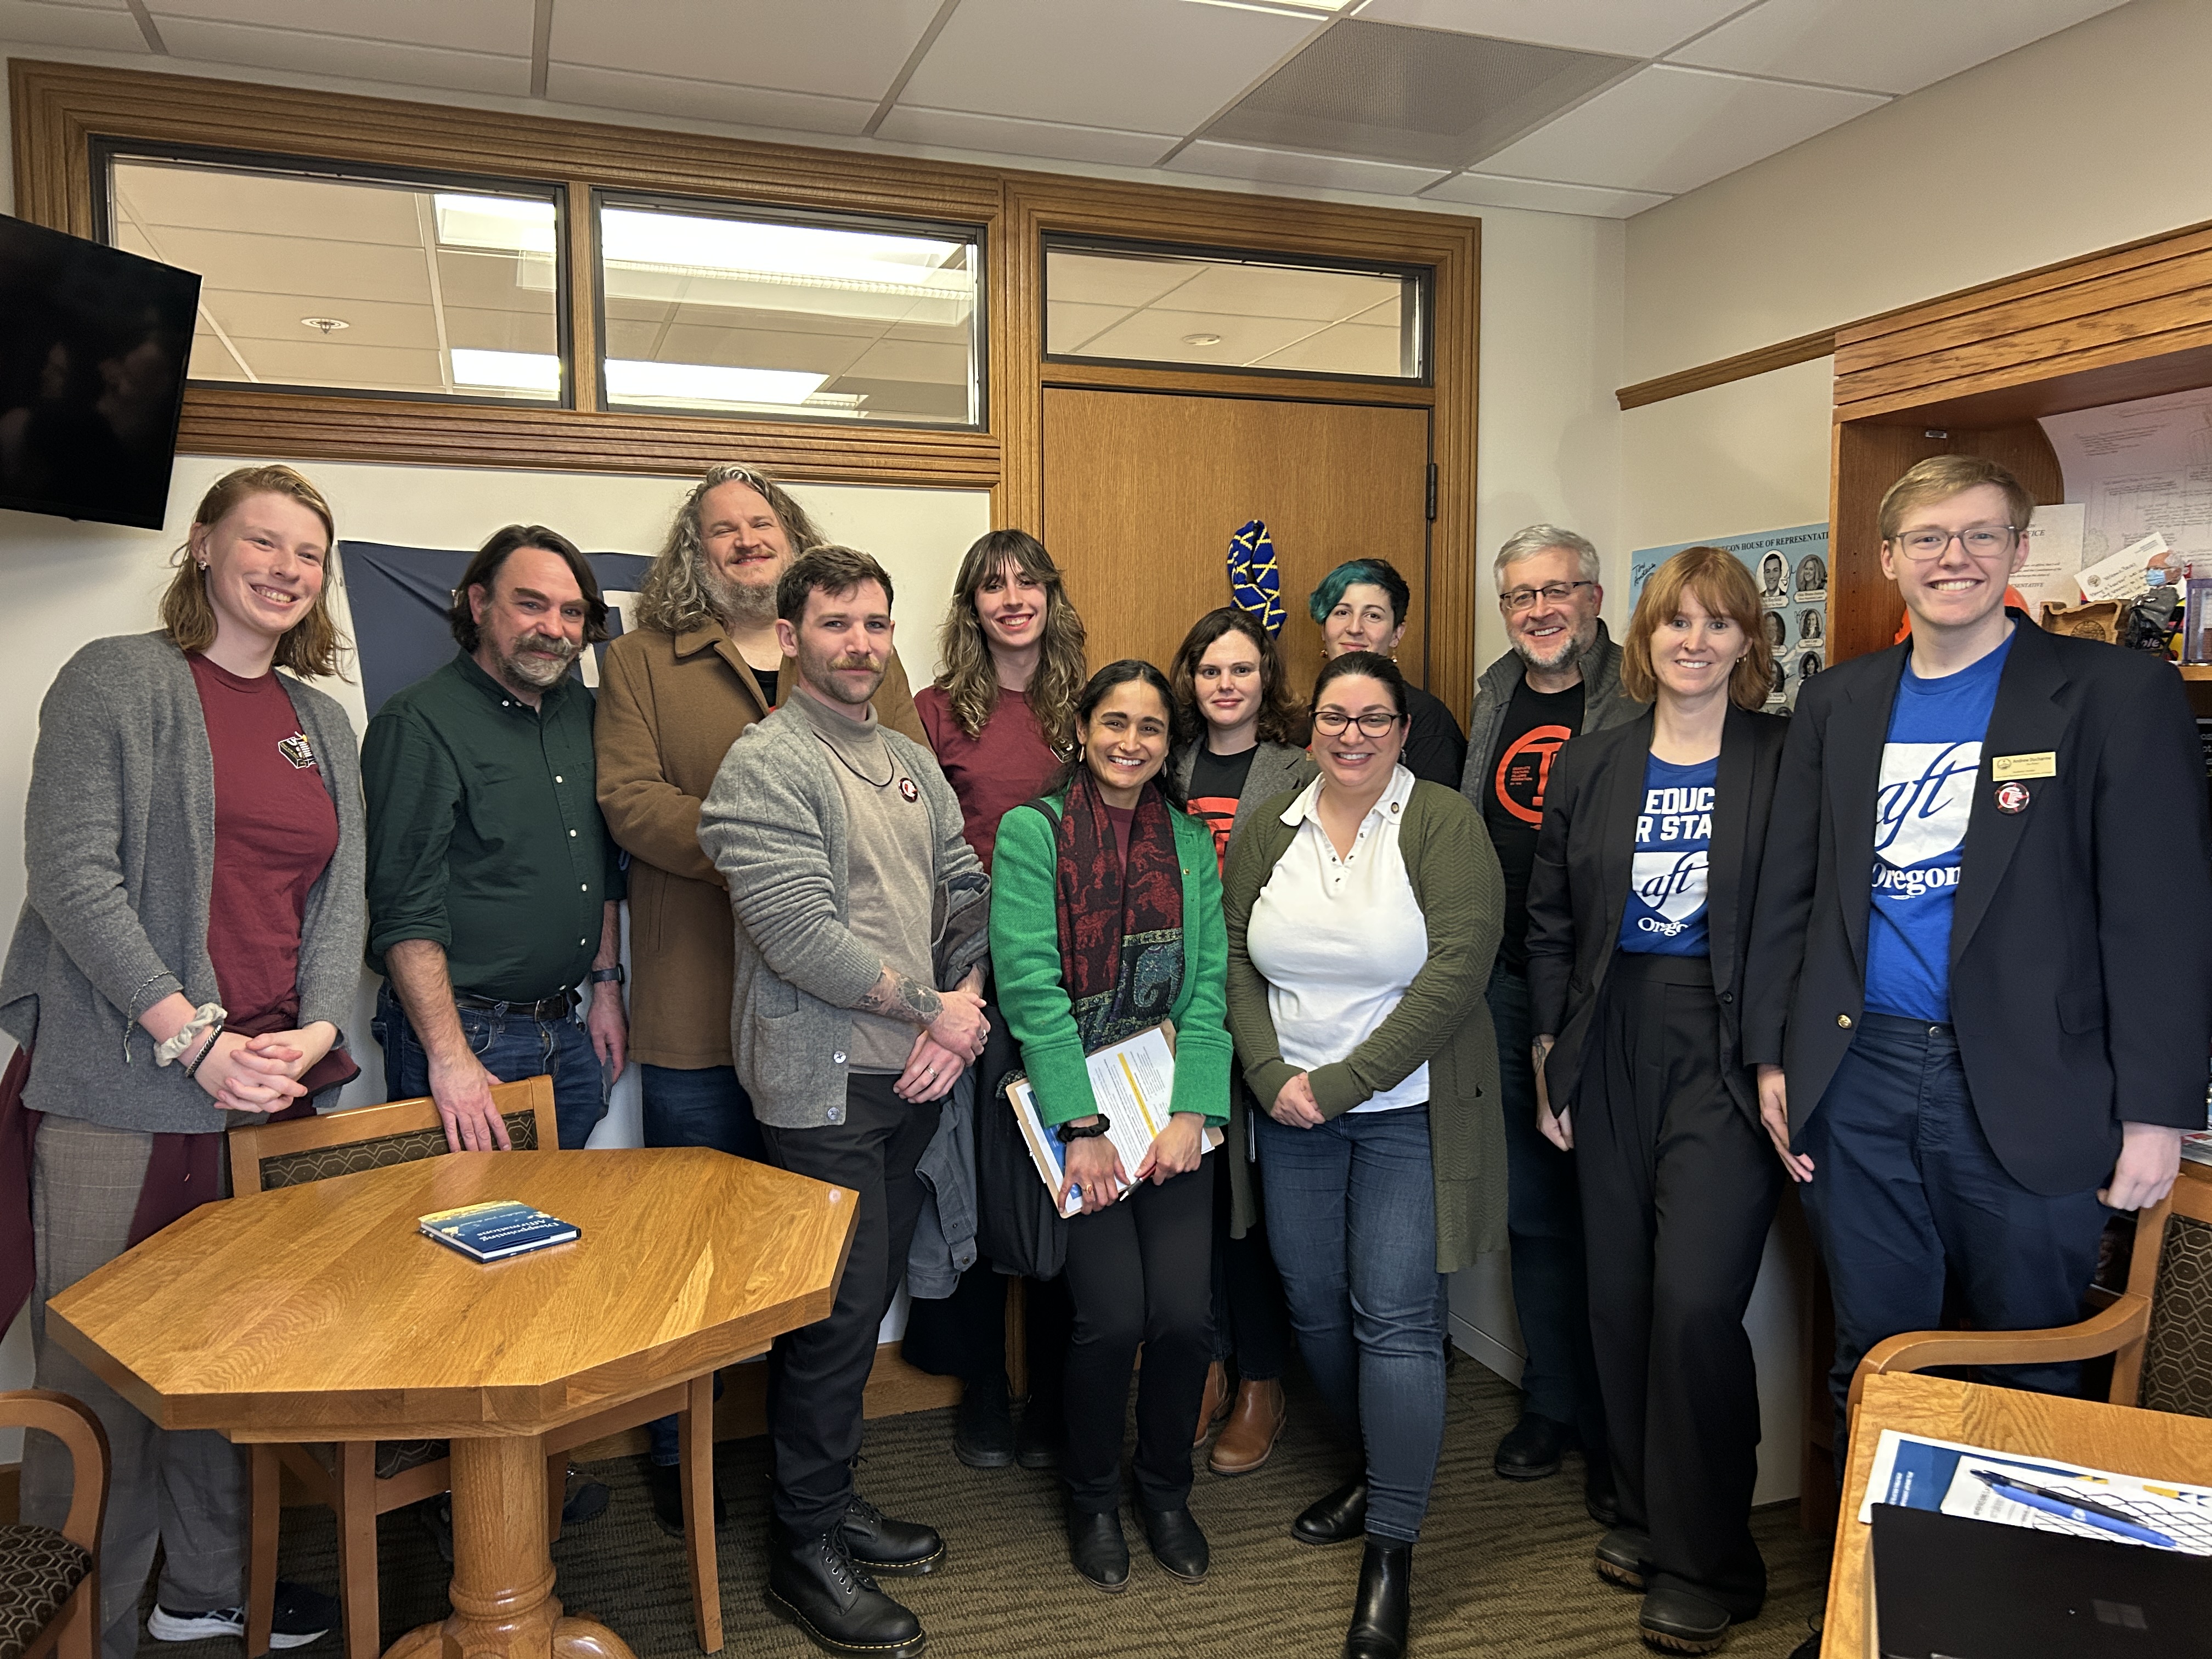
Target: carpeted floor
{"points": [[1503, 1568]]}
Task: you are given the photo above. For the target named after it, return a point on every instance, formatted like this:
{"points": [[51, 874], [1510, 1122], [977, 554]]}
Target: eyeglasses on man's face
{"points": [[1518, 599], [1981, 541], [1375, 723]]}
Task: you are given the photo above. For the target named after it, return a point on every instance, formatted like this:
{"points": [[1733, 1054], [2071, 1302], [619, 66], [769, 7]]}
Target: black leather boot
{"points": [[1177, 1543], [876, 1543], [983, 1427], [1338, 1518], [1383, 1602], [1098, 1550], [813, 1583]]}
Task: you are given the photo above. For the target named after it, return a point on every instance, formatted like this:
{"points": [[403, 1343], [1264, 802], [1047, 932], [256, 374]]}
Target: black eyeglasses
{"points": [[1375, 723]]}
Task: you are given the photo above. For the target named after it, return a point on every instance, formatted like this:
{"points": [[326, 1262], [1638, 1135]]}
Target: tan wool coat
{"points": [[670, 706]]}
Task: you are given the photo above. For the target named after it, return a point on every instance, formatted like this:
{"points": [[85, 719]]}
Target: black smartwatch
{"points": [[1067, 1131], [607, 975]]}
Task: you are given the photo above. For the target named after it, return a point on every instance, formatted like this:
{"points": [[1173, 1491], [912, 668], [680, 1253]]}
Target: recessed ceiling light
{"points": [[329, 326], [1201, 339]]}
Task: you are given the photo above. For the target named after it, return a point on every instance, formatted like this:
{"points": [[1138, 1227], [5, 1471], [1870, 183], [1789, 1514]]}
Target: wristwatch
{"points": [[607, 975], [1067, 1131]]}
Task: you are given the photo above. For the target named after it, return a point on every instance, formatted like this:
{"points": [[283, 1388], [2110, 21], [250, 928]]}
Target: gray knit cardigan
{"points": [[118, 846]]}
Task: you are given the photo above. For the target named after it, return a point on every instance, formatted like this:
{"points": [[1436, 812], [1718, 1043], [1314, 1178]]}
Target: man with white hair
{"points": [[1561, 677]]}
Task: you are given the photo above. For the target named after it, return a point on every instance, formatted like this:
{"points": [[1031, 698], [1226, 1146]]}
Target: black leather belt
{"points": [[553, 1007]]}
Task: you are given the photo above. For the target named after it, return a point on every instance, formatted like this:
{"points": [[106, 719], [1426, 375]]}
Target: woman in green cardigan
{"points": [[1364, 910], [1106, 918]]}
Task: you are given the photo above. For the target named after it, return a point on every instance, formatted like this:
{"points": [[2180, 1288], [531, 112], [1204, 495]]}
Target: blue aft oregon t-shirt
{"points": [[1665, 915], [1929, 767]]}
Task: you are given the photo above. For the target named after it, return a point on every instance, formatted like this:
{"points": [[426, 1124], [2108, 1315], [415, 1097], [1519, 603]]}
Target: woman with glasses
{"points": [[1364, 911], [1361, 605], [1639, 919]]}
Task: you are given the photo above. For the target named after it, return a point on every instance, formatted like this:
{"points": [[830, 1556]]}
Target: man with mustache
{"points": [[1561, 677], [492, 884]]}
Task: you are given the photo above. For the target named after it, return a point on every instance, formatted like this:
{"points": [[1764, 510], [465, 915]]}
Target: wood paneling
{"points": [[1143, 491], [1784, 354]]}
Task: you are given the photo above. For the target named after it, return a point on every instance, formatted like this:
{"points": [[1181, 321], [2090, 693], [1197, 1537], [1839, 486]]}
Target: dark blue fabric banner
{"points": [[400, 595]]}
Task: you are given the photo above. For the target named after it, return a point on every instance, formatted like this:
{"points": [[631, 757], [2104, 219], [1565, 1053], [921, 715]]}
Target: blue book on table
{"points": [[489, 1232]]}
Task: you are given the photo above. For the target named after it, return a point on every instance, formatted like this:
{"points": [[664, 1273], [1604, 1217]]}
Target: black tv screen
{"points": [[93, 346]]}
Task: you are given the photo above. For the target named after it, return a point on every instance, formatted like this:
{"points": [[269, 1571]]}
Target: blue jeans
{"points": [[1351, 1217], [687, 1106], [1544, 1224], [510, 1046], [1906, 1194]]}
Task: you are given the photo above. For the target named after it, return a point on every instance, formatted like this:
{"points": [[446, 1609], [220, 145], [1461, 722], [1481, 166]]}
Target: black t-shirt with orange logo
{"points": [[1537, 723], [1216, 784]]}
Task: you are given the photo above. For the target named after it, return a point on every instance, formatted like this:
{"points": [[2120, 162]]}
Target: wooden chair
{"points": [[49, 1580], [363, 1480], [2158, 1328]]}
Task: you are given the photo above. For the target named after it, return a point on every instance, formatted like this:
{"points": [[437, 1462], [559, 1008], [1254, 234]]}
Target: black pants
{"points": [[818, 1374], [1138, 1272], [1679, 1187], [1250, 1322]]}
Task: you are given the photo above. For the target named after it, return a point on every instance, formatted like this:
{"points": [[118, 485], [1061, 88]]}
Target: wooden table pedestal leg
{"points": [[502, 1590]]}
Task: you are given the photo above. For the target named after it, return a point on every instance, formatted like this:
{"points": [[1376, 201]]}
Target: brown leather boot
{"points": [[1255, 1423], [1213, 1404]]}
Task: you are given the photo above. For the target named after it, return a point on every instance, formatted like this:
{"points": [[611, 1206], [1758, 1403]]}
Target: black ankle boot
{"points": [[1383, 1602], [1337, 1518], [983, 1428], [813, 1581]]}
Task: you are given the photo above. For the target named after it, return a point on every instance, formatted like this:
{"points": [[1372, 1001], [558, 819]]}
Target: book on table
{"points": [[1133, 1082], [493, 1231]]}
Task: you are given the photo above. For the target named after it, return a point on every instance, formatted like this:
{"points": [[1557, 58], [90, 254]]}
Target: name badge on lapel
{"points": [[2007, 768]]}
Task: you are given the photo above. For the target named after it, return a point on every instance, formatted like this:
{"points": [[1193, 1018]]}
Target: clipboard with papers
{"points": [[1133, 1082]]}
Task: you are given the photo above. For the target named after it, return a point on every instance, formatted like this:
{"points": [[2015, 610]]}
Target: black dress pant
{"points": [[1679, 1187], [818, 1374], [1138, 1272]]}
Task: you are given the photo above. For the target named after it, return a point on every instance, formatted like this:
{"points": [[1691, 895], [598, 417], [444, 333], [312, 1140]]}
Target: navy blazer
{"points": [[2081, 933], [1578, 889]]}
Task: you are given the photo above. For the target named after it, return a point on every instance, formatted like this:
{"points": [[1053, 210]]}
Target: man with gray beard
{"points": [[1561, 677], [494, 888]]}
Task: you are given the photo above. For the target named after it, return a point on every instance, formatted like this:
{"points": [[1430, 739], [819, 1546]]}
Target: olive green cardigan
{"points": [[1443, 1018]]}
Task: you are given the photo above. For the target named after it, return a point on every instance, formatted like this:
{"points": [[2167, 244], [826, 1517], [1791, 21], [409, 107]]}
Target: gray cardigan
{"points": [[773, 823], [118, 846], [1604, 704]]}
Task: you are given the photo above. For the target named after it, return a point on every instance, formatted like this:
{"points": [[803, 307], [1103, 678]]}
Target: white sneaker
{"points": [[302, 1615]]}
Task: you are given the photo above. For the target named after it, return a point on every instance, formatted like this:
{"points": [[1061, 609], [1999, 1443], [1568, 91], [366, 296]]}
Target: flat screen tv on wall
{"points": [[93, 346]]}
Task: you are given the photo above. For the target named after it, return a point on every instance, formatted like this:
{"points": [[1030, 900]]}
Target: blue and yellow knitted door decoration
{"points": [[1255, 584]]}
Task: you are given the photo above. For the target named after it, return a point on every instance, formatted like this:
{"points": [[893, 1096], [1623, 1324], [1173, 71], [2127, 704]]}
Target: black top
{"points": [[1435, 749], [767, 678], [1536, 725]]}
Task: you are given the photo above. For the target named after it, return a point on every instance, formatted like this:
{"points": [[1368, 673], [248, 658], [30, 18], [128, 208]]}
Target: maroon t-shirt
{"points": [[276, 830], [992, 773]]}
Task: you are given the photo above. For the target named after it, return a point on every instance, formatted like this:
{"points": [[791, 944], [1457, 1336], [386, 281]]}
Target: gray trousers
{"points": [[185, 1490]]}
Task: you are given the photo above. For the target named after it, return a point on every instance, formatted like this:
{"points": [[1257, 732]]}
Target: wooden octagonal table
{"points": [[321, 1312]]}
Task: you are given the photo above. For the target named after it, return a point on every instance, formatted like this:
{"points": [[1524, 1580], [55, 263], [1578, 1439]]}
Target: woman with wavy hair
{"points": [[1000, 719], [701, 665], [190, 944]]}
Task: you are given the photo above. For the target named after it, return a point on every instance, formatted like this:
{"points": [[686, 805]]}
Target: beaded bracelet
{"points": [[174, 1047]]}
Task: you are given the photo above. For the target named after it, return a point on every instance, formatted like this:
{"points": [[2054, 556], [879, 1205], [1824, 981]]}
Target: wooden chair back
{"points": [[291, 1154], [73, 1631]]}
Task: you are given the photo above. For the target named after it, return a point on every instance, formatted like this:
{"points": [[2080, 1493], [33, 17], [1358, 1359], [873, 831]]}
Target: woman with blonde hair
{"points": [[1000, 718], [190, 944], [1640, 912]]}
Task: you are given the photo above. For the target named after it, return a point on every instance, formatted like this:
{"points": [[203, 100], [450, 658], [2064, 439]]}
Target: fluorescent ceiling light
{"points": [[506, 371], [697, 383], [740, 247], [501, 224]]}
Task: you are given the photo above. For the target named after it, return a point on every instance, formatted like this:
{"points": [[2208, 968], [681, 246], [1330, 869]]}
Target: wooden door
{"points": [[1143, 491]]}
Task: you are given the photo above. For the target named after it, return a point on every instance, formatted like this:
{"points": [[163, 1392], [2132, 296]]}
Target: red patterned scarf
{"points": [[1121, 929]]}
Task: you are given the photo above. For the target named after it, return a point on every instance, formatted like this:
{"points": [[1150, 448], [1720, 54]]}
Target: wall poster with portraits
{"points": [[1790, 567]]}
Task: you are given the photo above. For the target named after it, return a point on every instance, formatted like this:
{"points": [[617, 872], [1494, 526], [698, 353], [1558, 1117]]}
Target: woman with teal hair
{"points": [[1361, 605]]}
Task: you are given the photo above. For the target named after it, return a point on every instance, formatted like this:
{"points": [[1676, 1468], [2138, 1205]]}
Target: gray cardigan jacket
{"points": [[1276, 767], [1604, 703], [773, 823], [118, 845]]}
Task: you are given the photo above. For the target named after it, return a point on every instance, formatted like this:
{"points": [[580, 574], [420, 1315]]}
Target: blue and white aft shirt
{"points": [[1665, 915]]}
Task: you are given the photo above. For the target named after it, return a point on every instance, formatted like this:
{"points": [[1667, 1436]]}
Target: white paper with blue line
{"points": [[2042, 1494]]}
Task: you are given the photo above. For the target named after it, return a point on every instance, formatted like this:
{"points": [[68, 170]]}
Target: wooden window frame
{"points": [[59, 109]]}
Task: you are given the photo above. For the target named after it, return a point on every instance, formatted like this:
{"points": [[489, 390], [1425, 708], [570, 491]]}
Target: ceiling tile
{"points": [[1671, 130], [1886, 45], [1160, 337], [318, 271], [753, 347], [1346, 349], [500, 331], [853, 49], [1127, 66], [707, 101], [38, 23], [1070, 326], [1541, 196], [1642, 28], [283, 209], [1049, 139], [1277, 167], [1403, 94], [1302, 296], [320, 363], [1092, 276], [256, 47], [256, 316], [499, 27]]}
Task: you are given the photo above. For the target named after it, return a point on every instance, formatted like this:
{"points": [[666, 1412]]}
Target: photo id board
{"points": [[1790, 569]]}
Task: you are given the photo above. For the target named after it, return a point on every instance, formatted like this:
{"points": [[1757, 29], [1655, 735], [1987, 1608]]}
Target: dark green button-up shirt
{"points": [[484, 832]]}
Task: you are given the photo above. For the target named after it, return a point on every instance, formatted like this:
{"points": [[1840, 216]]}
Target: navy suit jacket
{"points": [[2081, 932]]}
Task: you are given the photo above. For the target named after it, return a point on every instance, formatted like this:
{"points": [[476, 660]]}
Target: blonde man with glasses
{"points": [[1980, 992], [1561, 677]]}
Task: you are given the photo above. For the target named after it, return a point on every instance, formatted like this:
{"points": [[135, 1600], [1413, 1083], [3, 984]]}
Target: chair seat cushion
{"points": [[39, 1568]]}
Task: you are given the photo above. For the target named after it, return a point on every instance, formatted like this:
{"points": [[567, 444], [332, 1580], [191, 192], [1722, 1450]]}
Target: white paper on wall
{"points": [[2139, 467]]}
